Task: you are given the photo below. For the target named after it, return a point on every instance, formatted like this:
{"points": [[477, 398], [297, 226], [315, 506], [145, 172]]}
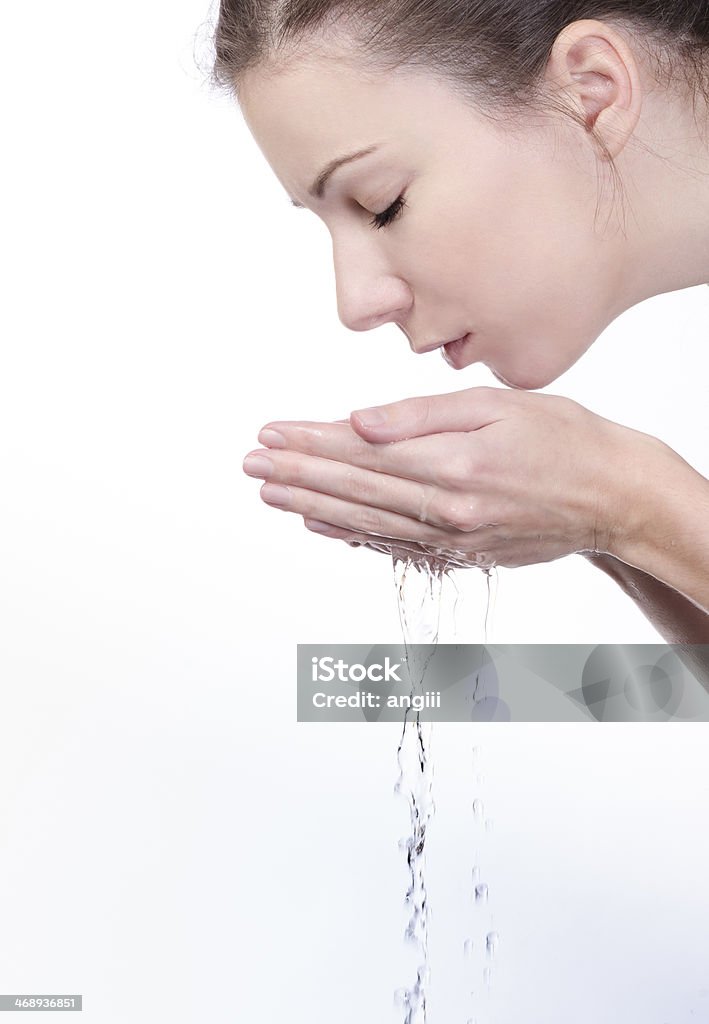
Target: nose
{"points": [[369, 293]]}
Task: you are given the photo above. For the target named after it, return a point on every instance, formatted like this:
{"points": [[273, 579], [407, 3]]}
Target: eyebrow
{"points": [[317, 189]]}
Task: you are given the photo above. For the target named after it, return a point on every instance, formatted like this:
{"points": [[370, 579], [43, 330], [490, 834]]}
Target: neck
{"points": [[664, 244]]}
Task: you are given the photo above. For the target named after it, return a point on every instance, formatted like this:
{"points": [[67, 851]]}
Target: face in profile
{"points": [[447, 224]]}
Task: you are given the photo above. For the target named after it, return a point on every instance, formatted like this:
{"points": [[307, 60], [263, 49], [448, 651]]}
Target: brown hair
{"points": [[496, 50], [492, 51]]}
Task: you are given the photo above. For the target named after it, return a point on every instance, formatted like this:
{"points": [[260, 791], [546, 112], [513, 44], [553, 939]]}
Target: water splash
{"points": [[419, 585]]}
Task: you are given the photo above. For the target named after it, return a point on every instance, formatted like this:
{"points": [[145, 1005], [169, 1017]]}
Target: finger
{"points": [[386, 545], [432, 414], [359, 518], [355, 540], [425, 459], [424, 502]]}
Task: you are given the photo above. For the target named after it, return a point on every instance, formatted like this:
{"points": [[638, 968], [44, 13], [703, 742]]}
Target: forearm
{"points": [[676, 619], [663, 531]]}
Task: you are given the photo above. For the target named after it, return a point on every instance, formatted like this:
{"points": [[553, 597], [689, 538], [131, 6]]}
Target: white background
{"points": [[173, 844]]}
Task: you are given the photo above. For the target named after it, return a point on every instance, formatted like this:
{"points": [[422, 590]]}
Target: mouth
{"points": [[456, 352]]}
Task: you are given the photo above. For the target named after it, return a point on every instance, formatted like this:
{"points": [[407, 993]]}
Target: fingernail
{"points": [[271, 438], [258, 465], [276, 494], [371, 417], [316, 526]]}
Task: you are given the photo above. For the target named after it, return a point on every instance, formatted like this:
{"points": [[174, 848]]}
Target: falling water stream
{"points": [[419, 588]]}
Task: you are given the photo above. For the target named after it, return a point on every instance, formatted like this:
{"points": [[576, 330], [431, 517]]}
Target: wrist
{"points": [[644, 470], [661, 523]]}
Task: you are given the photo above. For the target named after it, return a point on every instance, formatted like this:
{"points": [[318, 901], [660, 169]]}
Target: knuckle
{"points": [[361, 487], [416, 411], [462, 515], [428, 503], [369, 520], [424, 412], [295, 471], [482, 466], [566, 408], [457, 470], [438, 510], [496, 400]]}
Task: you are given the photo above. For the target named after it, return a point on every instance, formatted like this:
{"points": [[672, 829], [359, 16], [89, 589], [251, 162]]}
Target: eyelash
{"points": [[381, 220]]}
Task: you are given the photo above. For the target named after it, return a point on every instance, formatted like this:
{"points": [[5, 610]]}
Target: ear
{"points": [[594, 68]]}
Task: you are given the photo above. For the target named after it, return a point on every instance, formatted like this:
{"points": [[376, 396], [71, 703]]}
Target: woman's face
{"points": [[495, 238]]}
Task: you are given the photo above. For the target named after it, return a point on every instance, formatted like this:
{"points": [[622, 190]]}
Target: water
{"points": [[419, 588], [485, 940], [481, 893]]}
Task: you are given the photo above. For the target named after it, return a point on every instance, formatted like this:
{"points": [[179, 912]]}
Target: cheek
{"points": [[517, 258], [528, 269], [496, 236], [535, 356]]}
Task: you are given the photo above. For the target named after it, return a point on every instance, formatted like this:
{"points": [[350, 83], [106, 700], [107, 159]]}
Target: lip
{"points": [[454, 352]]}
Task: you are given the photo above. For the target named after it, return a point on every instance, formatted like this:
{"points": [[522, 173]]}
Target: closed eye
{"points": [[381, 220]]}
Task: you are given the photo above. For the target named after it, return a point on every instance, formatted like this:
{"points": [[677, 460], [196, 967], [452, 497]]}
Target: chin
{"points": [[523, 382]]}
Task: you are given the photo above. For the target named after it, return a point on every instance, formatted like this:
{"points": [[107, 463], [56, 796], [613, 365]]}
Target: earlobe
{"points": [[594, 68]]}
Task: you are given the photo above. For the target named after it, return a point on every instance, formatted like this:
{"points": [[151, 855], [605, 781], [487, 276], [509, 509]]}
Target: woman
{"points": [[501, 180]]}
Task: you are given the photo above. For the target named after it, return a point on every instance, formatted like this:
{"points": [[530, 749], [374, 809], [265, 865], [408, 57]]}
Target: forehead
{"points": [[315, 108]]}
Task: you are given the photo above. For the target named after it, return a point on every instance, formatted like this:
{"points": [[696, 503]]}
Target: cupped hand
{"points": [[484, 477]]}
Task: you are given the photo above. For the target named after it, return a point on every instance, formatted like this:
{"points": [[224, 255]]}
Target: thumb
{"points": [[430, 414]]}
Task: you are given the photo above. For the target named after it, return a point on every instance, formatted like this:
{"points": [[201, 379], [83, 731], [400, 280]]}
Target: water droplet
{"points": [[468, 947], [476, 874], [401, 997], [491, 943], [481, 893], [478, 809], [488, 824]]}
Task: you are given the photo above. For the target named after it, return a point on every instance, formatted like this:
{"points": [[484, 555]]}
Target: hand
{"points": [[485, 476]]}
